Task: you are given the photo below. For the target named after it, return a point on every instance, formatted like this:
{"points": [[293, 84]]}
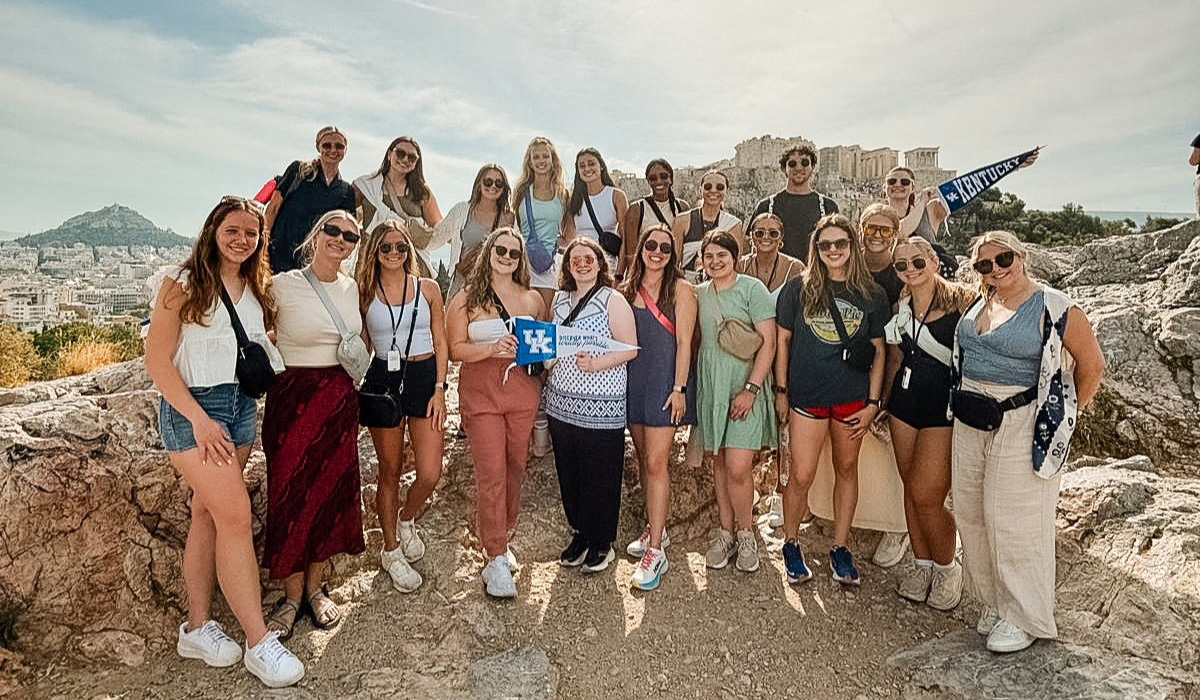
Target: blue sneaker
{"points": [[842, 563], [793, 561]]}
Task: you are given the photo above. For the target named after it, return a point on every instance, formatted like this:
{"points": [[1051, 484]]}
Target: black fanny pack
{"points": [[982, 412]]}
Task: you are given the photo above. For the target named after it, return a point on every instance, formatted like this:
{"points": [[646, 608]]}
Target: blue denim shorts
{"points": [[224, 403]]}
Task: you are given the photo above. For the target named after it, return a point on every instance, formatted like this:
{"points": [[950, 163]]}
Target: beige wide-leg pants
{"points": [[1005, 515]]}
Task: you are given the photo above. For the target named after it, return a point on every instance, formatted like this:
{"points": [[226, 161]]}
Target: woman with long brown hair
{"points": [[598, 206], [397, 190], [469, 223], [661, 396], [829, 368], [406, 325], [207, 423], [498, 401]]}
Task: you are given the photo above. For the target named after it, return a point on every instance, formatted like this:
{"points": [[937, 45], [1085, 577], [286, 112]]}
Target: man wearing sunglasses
{"points": [[797, 204]]}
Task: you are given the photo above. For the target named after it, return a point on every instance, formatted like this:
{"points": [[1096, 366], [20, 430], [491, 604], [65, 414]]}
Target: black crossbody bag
{"points": [[610, 242], [253, 370], [858, 353], [379, 404]]}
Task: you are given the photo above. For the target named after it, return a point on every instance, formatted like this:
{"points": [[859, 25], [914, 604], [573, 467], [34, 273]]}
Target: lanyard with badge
{"points": [[395, 361], [906, 373]]}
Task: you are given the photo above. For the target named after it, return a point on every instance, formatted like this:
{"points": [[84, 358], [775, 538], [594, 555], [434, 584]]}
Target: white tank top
{"points": [[389, 328], [649, 218], [606, 214]]}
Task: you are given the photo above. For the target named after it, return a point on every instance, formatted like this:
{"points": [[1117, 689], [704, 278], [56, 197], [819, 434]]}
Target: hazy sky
{"points": [[166, 106]]}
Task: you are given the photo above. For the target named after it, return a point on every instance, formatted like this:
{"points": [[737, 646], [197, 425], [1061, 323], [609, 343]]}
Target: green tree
{"points": [[1158, 223], [19, 361]]}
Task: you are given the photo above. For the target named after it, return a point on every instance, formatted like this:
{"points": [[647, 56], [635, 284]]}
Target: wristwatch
{"points": [[681, 388], [780, 389], [752, 388], [875, 402], [444, 386]]}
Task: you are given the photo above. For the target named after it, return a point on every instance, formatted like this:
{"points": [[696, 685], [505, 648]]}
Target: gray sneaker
{"points": [[721, 549], [915, 586], [747, 551], [498, 580], [946, 589]]}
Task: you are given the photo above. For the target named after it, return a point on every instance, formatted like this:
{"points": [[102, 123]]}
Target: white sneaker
{"points": [[498, 580], [747, 551], [650, 569], [916, 584], [988, 617], [209, 643], [637, 548], [891, 549], [272, 663], [410, 541], [404, 578], [1007, 637], [946, 587], [540, 445], [773, 518], [511, 560], [722, 548]]}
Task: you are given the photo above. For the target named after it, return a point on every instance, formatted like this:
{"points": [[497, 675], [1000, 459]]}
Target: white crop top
{"points": [[304, 330], [489, 329], [389, 329]]}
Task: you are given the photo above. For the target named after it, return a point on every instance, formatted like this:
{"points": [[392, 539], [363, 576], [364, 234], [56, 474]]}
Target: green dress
{"points": [[721, 376]]}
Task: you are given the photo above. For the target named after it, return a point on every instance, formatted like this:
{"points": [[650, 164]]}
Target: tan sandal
{"points": [[323, 611], [282, 618]]}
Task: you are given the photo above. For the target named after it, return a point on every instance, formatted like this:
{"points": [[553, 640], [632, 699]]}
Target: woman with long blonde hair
{"points": [[406, 326]]}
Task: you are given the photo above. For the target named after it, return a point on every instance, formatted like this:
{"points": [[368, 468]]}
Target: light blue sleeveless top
{"points": [[547, 220], [1012, 353]]}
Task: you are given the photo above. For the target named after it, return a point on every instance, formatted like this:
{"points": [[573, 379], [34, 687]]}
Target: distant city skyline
{"points": [[165, 107]]}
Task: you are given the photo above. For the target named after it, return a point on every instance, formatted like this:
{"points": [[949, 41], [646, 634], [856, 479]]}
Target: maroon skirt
{"points": [[310, 437]]}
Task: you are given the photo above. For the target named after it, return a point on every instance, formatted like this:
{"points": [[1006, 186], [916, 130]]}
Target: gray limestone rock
{"points": [[517, 674]]}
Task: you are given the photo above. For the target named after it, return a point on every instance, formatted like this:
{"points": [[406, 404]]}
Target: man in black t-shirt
{"points": [[1195, 160], [797, 205]]}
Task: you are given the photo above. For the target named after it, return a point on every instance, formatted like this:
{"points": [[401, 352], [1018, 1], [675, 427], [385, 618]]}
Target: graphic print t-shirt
{"points": [[817, 374]]}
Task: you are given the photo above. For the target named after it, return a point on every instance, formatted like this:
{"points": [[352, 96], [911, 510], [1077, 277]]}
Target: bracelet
{"points": [[443, 385]]}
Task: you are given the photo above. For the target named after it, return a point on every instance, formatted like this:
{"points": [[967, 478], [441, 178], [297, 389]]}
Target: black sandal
{"points": [[324, 612], [282, 618]]}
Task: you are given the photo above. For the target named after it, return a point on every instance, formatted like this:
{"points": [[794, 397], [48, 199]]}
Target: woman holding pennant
{"points": [[498, 401], [661, 395], [585, 399]]}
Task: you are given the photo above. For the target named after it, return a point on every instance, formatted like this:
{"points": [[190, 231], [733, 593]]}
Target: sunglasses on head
{"points": [[333, 146], [331, 230], [901, 180], [771, 233], [917, 264], [654, 246], [386, 248], [493, 182], [799, 163], [406, 155], [719, 185], [880, 231], [836, 244], [513, 253], [1003, 261]]}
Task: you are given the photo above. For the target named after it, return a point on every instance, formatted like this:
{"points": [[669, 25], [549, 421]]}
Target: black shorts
{"points": [[420, 378], [923, 404]]}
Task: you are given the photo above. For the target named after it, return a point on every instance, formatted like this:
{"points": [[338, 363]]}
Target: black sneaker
{"points": [[575, 552], [598, 558]]}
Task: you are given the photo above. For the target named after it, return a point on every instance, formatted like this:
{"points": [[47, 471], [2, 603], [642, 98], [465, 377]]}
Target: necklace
{"points": [[1015, 295], [774, 268]]}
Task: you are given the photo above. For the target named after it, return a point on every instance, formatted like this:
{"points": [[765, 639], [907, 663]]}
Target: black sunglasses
{"points": [[766, 233], [386, 248], [839, 244], [493, 182], [1003, 261], [719, 185], [803, 163], [350, 236], [917, 263], [402, 154], [903, 181], [512, 253], [654, 246], [333, 146]]}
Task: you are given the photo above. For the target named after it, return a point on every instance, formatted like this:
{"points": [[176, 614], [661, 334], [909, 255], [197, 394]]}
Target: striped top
{"points": [[593, 400]]}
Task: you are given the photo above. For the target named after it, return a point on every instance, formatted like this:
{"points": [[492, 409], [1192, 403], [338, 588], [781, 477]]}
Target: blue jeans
{"points": [[236, 413]]}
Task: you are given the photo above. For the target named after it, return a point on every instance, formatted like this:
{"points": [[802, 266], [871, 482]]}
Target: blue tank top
{"points": [[1012, 353]]}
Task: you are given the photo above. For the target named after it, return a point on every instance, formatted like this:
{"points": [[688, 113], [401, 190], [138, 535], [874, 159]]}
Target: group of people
{"points": [[800, 324]]}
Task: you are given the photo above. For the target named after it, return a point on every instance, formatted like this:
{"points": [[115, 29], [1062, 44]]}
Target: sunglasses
{"points": [[653, 246], [402, 154], [880, 231], [577, 260], [512, 253], [331, 230], [903, 181], [917, 264], [802, 163], [1003, 261], [719, 185], [771, 233], [386, 248], [493, 182], [333, 146], [836, 244]]}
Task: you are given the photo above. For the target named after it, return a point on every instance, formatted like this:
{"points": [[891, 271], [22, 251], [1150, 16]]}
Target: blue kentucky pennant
{"points": [[536, 341], [957, 193]]}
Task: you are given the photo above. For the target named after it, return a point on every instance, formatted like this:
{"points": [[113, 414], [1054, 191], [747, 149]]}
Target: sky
{"points": [[166, 106]]}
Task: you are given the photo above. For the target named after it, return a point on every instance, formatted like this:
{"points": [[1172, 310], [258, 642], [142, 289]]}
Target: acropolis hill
{"points": [[852, 175]]}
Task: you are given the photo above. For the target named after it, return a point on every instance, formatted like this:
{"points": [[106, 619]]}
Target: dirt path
{"points": [[703, 634]]}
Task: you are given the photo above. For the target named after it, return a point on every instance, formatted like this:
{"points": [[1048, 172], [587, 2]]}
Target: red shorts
{"points": [[839, 413]]}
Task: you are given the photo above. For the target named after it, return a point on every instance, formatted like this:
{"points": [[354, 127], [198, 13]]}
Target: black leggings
{"points": [[589, 462]]}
